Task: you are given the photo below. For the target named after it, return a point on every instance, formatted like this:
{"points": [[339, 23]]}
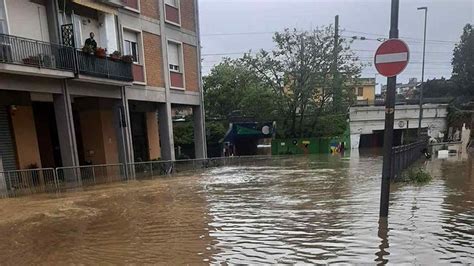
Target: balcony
{"points": [[26, 56], [38, 57], [106, 67]]}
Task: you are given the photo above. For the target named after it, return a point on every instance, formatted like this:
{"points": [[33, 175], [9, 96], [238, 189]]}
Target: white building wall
{"points": [[27, 19], [367, 119]]}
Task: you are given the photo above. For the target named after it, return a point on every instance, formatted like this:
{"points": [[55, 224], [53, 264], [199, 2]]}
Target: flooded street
{"points": [[321, 209]]}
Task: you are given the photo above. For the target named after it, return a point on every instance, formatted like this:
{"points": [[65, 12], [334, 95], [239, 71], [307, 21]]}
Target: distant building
{"points": [[405, 89], [364, 91]]}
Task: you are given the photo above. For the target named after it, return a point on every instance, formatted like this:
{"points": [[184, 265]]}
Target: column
{"points": [[123, 129], [200, 146], [3, 184], [166, 131], [65, 127]]}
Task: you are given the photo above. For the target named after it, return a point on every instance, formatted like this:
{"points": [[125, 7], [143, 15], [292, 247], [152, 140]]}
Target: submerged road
{"points": [[321, 209]]}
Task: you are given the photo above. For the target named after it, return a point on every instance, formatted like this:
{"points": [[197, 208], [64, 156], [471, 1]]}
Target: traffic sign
{"points": [[391, 58]]}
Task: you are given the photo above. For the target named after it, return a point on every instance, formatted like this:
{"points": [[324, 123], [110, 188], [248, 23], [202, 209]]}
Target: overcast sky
{"points": [[231, 27]]}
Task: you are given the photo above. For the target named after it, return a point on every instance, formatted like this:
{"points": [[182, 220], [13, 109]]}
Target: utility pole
{"points": [[336, 87], [389, 119], [422, 73]]}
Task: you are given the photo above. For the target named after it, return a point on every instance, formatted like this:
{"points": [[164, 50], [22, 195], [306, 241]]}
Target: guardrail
{"points": [[28, 52], [26, 182], [92, 65], [405, 155]]}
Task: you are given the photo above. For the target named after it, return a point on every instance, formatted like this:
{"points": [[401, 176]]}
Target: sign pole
{"points": [[389, 120]]}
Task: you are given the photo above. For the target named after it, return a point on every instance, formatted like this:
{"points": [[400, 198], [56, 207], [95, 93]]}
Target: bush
{"points": [[418, 176]]}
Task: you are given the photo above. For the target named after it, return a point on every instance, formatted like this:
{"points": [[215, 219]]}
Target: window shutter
{"points": [[3, 19], [172, 2], [173, 54], [130, 36]]}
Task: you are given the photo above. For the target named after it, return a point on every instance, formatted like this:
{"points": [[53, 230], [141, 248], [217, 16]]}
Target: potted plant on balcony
{"points": [[88, 49], [127, 58], [115, 56], [101, 52]]}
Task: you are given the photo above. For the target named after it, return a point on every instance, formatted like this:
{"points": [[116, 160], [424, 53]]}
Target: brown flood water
{"points": [[320, 209]]}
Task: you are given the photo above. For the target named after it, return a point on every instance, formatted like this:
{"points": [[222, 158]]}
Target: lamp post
{"points": [[422, 72]]}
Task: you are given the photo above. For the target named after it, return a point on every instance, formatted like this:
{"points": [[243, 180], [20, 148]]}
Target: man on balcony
{"points": [[90, 42]]}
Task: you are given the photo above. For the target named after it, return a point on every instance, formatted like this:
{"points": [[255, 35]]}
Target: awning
{"points": [[97, 6]]}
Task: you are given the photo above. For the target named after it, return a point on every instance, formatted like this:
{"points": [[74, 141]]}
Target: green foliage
{"points": [[216, 131], [304, 79], [439, 88], [183, 133], [418, 176], [463, 62], [296, 84], [231, 86]]}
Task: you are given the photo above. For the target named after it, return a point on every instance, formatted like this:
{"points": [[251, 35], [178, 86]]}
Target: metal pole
{"points": [[335, 55], [422, 72], [389, 119]]}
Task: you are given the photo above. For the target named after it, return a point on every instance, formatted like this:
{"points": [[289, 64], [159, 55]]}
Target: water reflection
{"points": [[382, 253], [321, 209]]}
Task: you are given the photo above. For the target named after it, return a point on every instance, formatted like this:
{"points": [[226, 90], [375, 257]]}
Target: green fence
{"points": [[307, 145]]}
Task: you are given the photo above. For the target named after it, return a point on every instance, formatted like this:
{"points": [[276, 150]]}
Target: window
{"points": [[172, 2], [3, 18], [174, 56], [130, 46], [360, 91]]}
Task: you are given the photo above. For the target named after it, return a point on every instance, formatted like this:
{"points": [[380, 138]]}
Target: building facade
{"points": [[62, 104], [407, 90], [364, 91]]}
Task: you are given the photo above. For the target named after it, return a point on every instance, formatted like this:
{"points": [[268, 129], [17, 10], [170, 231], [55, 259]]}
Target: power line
{"points": [[345, 30]]}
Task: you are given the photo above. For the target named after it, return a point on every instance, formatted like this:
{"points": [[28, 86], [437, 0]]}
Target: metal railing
{"points": [[22, 51], [404, 156], [89, 175], [25, 182], [92, 65]]}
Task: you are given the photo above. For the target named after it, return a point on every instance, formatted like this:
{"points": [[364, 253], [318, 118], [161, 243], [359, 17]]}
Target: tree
{"points": [[300, 71], [463, 62], [231, 86], [439, 88]]}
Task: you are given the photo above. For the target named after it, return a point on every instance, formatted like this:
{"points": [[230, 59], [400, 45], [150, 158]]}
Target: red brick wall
{"points": [[190, 67], [153, 59], [187, 15], [150, 8]]}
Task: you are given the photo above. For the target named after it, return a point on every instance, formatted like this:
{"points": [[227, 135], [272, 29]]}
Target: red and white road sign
{"points": [[391, 57]]}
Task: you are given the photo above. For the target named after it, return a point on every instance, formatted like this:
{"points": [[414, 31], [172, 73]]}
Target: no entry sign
{"points": [[391, 57]]}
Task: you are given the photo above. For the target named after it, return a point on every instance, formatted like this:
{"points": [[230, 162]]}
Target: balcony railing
{"points": [[27, 52], [92, 65], [22, 51]]}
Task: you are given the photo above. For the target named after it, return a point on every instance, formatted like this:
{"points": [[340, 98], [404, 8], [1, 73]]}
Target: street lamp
{"points": [[422, 72]]}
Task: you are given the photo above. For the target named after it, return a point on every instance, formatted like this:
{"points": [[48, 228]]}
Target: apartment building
{"points": [[364, 91], [65, 105]]}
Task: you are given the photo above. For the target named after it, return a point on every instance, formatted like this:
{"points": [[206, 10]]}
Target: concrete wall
{"points": [[27, 19], [367, 119], [153, 135], [26, 142]]}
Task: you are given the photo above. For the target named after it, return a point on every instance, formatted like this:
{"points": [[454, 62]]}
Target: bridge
{"points": [[367, 123]]}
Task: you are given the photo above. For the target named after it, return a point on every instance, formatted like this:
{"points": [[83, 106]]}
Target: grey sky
{"points": [[249, 23]]}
